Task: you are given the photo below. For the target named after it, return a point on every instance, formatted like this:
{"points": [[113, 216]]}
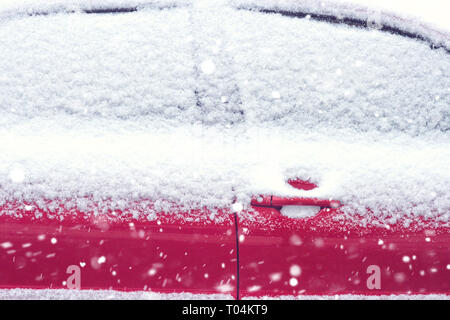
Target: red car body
{"points": [[270, 255], [254, 253]]}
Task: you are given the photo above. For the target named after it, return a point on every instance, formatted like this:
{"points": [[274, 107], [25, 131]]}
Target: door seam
{"points": [[237, 255]]}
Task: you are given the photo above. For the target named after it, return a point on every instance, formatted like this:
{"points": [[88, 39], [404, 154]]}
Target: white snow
{"points": [[17, 175], [295, 270], [208, 67], [207, 106], [293, 282], [434, 12], [65, 294], [300, 211], [427, 18], [12, 8]]}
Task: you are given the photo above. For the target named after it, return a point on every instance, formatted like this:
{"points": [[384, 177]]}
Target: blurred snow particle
{"points": [[101, 260], [349, 93], [254, 288], [293, 282], [406, 259], [6, 245], [96, 262], [237, 207], [295, 240], [295, 270], [208, 67], [400, 277], [319, 242], [17, 175], [53, 240], [275, 276], [225, 288], [276, 95]]}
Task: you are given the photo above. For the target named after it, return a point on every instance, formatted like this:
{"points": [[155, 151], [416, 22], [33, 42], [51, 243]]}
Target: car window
{"points": [[304, 73], [256, 67], [114, 66]]}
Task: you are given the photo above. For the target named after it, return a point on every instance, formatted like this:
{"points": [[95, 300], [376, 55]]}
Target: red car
{"points": [[222, 151]]}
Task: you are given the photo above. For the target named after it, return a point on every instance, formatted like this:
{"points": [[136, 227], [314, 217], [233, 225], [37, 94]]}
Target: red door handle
{"points": [[273, 201]]}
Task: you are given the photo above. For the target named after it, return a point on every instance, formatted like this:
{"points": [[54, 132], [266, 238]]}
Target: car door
{"points": [[122, 66], [173, 253], [269, 78], [326, 255], [308, 245]]}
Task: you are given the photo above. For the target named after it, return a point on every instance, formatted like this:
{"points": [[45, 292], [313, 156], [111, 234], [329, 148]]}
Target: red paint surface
{"points": [[302, 184], [333, 256], [197, 257], [201, 256]]}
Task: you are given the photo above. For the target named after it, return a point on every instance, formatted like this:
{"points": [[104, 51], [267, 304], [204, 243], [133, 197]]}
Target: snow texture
{"points": [[201, 104], [65, 294], [14, 8], [428, 19], [300, 211]]}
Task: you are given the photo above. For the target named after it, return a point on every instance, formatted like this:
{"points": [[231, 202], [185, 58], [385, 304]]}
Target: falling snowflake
{"points": [[17, 175], [208, 67]]}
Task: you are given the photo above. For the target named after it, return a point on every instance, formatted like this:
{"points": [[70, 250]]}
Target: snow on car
{"points": [[234, 149]]}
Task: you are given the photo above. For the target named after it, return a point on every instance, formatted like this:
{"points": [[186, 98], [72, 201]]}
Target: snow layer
{"points": [[337, 76], [64, 294], [300, 211], [97, 65], [426, 18], [215, 166], [206, 104], [14, 8]]}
